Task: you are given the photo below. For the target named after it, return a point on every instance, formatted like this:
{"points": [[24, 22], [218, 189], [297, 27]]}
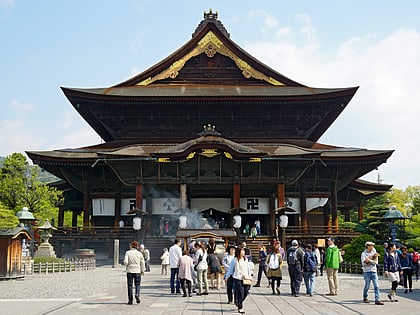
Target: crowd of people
{"points": [[200, 267]]}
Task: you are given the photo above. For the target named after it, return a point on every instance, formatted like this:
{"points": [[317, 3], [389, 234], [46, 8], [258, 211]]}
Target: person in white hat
{"points": [[369, 258], [295, 262]]}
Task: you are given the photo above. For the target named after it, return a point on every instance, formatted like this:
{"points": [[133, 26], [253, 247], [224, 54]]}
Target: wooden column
{"points": [[360, 212], [60, 216], [74, 219], [86, 209], [139, 196], [303, 214], [281, 195], [327, 217], [334, 210], [117, 215], [183, 196], [236, 195]]}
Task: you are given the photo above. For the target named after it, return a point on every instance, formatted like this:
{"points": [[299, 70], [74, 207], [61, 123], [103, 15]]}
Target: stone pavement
{"points": [[156, 299]]}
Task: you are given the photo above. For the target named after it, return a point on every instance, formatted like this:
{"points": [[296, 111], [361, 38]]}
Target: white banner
{"points": [[201, 204], [311, 203], [129, 204], [103, 207], [165, 205], [255, 205]]}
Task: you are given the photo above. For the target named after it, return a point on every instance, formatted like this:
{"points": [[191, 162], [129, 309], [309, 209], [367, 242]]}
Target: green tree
{"points": [[8, 218], [20, 186]]}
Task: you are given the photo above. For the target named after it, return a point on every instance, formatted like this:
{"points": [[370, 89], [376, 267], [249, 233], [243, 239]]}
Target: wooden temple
{"points": [[206, 130]]}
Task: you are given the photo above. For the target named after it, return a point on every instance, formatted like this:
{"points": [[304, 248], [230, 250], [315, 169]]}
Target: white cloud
{"points": [[384, 112], [6, 4]]}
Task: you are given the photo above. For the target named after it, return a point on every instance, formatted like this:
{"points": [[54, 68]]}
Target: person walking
{"points": [[392, 270], [295, 261], [134, 262], [164, 261], [274, 263], [310, 267], [239, 270], [146, 255], [369, 259], [215, 267], [227, 260], [185, 265], [201, 268], [262, 260], [317, 253], [406, 260], [175, 254], [416, 262], [332, 263]]}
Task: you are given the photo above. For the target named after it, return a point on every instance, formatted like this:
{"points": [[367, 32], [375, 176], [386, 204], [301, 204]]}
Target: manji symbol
{"points": [[252, 204]]}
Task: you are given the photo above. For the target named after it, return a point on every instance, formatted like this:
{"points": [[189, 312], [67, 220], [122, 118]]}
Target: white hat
{"points": [[369, 244], [295, 243]]}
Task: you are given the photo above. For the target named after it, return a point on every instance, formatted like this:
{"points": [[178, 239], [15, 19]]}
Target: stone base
{"points": [[45, 250]]}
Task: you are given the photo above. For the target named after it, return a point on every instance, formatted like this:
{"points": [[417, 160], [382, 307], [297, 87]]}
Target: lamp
{"points": [[284, 221]]}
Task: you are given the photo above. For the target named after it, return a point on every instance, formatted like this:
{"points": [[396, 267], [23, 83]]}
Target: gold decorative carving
{"points": [[164, 160], [228, 155], [209, 152], [190, 156], [255, 160], [210, 45]]}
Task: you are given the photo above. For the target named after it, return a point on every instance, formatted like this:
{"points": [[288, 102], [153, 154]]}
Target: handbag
{"points": [[246, 279]]}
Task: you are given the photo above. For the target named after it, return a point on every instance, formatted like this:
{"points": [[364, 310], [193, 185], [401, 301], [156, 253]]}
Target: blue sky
{"points": [[373, 44]]}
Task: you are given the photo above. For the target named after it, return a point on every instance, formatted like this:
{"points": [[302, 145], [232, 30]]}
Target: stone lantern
{"points": [[46, 249]]}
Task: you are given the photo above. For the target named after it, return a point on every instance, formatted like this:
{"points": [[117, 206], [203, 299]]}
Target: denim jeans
{"points": [[173, 279], [371, 276], [136, 278], [309, 278]]}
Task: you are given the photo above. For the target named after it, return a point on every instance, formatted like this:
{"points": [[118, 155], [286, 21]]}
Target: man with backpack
{"points": [[295, 263], [309, 269]]}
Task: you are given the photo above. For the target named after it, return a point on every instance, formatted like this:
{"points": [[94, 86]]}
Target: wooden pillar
{"points": [[327, 217], [334, 210], [347, 216], [281, 195], [360, 212], [117, 215], [86, 209], [139, 196], [236, 195], [74, 219], [183, 196], [60, 216], [303, 214]]}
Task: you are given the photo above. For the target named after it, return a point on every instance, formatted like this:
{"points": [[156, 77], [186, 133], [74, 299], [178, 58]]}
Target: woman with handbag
{"points": [[242, 279]]}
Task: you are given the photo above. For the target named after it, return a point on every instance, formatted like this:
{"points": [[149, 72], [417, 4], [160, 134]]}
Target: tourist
{"points": [[310, 267], [318, 257], [369, 259], [185, 266], [146, 255], [253, 232], [258, 226], [215, 268], [262, 259], [239, 269], [175, 254], [274, 263], [201, 268], [164, 261], [416, 262], [247, 250], [247, 230], [227, 260], [322, 263], [134, 262], [332, 264], [295, 263], [392, 270], [406, 261]]}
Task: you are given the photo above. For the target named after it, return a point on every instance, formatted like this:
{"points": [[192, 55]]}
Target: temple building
{"points": [[208, 132]]}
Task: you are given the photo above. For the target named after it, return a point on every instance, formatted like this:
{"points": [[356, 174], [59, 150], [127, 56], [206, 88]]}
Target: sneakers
{"points": [[379, 303], [137, 299], [389, 297], [257, 285], [241, 310], [365, 301]]}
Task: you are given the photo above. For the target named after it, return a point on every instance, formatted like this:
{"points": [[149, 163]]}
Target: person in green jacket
{"points": [[332, 263]]}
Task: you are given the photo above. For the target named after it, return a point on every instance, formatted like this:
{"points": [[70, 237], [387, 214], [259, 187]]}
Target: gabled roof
{"points": [[210, 78]]}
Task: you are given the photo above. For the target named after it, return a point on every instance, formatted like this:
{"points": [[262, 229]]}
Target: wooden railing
{"points": [[67, 265]]}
